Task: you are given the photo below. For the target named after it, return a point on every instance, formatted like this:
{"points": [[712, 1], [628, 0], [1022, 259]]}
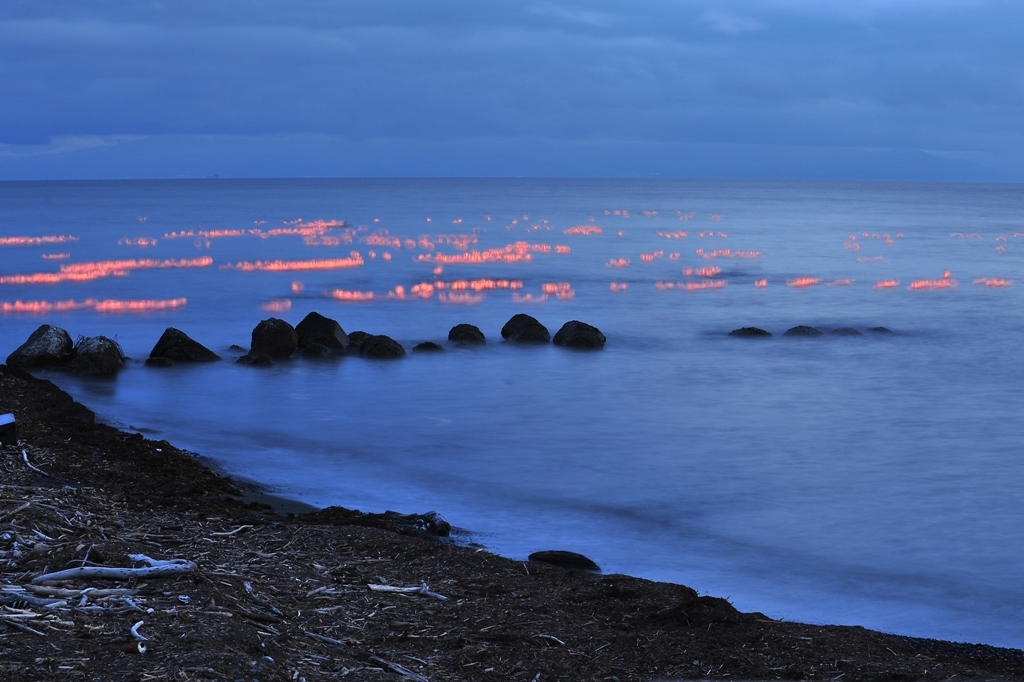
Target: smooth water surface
{"points": [[872, 480]]}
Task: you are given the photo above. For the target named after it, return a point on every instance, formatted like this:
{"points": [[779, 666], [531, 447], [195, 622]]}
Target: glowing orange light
{"points": [[460, 298], [297, 286], [620, 233], [712, 271], [36, 241], [560, 290], [83, 272], [993, 282], [562, 250], [104, 306], [386, 255], [617, 263], [382, 240], [277, 306], [946, 282], [615, 287], [886, 284], [353, 261], [673, 235], [760, 283], [138, 241], [585, 230], [727, 253], [56, 256], [438, 270], [802, 282], [349, 296]]}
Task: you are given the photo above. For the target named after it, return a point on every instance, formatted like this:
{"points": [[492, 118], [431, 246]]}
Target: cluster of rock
{"points": [[315, 337], [52, 347], [804, 330]]}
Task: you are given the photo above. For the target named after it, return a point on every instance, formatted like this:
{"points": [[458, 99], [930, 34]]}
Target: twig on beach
{"points": [[399, 669], [422, 589], [322, 638], [154, 569], [20, 626], [24, 455], [135, 632], [232, 532]]}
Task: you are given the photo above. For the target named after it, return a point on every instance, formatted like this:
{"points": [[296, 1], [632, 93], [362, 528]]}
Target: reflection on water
{"points": [[866, 479]]}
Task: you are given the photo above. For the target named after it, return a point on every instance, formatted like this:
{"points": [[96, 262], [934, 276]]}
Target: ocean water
{"points": [[873, 480]]}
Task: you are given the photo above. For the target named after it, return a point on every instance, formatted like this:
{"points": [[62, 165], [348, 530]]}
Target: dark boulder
{"points": [[466, 334], [576, 334], [428, 347], [315, 328], [563, 559], [47, 346], [880, 330], [274, 338], [750, 333], [96, 356], [175, 345], [254, 360], [802, 330], [318, 351], [522, 328], [159, 361], [381, 347], [846, 331], [355, 341]]}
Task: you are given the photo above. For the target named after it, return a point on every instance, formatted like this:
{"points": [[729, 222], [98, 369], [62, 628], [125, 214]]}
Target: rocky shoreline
{"points": [[336, 593]]}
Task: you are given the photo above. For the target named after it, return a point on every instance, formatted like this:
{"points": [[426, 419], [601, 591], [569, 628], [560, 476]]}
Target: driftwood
{"points": [[422, 589], [153, 569]]}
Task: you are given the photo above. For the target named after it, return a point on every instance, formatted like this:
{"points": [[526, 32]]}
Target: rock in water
{"points": [[466, 334], [563, 559], [427, 346], [175, 345], [315, 328], [522, 328], [750, 333], [47, 346], [97, 356], [576, 334], [355, 341], [274, 338], [802, 330], [381, 347], [846, 331], [318, 351]]}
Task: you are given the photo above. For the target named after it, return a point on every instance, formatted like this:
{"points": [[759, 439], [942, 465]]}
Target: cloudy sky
{"points": [[904, 89]]}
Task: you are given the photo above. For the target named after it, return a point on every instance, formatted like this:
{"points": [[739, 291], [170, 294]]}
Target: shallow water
{"points": [[870, 480]]}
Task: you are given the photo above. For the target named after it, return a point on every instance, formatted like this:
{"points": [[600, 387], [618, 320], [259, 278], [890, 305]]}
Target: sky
{"points": [[821, 89]]}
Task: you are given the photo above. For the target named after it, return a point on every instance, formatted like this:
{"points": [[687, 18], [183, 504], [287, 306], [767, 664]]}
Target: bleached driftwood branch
{"points": [[422, 589], [154, 569]]}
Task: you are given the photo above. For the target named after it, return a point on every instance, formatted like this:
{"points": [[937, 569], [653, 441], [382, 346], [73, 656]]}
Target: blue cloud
{"points": [[865, 74]]}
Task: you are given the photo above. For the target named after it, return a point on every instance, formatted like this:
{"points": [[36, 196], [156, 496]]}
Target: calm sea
{"points": [[875, 480]]}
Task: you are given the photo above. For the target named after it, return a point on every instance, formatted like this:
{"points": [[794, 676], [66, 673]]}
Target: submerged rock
{"points": [[563, 559], [318, 351], [576, 334], [846, 331], [355, 341], [176, 346], [47, 346], [96, 356], [427, 346], [522, 328], [750, 333], [254, 360], [159, 361], [802, 330], [381, 347], [274, 338], [466, 334], [880, 330], [315, 328]]}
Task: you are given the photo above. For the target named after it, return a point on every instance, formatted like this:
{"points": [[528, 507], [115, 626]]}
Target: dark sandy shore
{"points": [[279, 597]]}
